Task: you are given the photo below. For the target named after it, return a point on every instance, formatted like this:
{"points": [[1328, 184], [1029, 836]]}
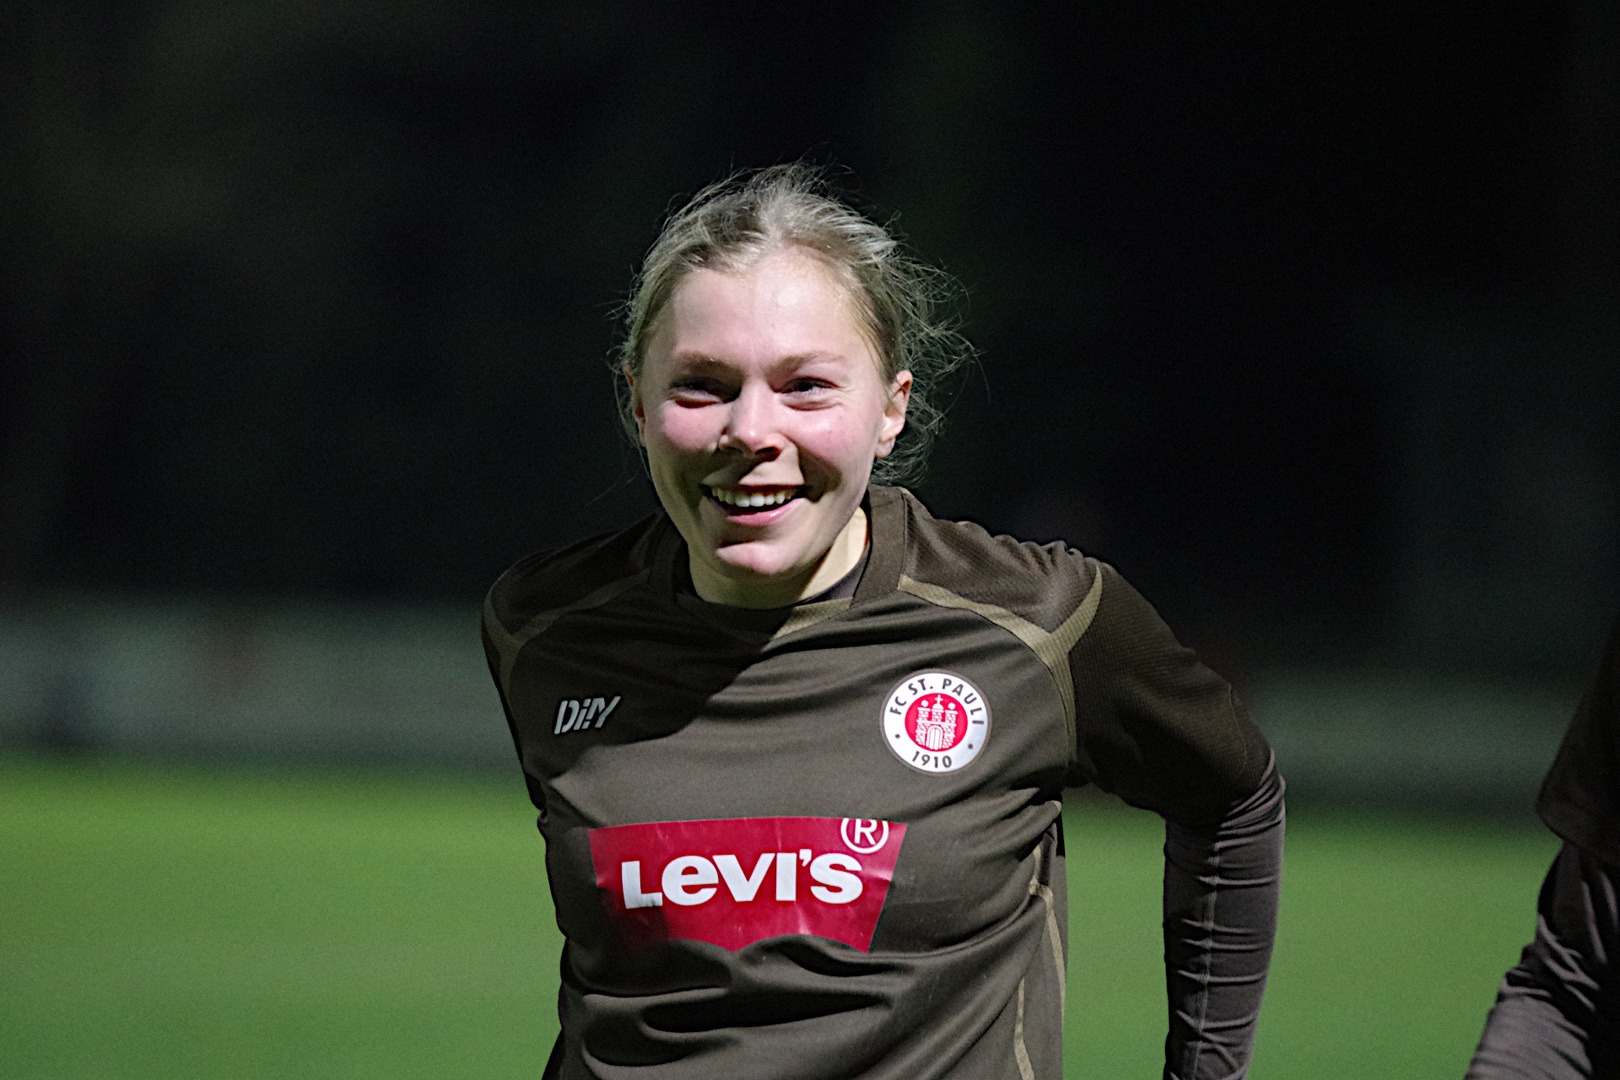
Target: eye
{"points": [[697, 390], [807, 387]]}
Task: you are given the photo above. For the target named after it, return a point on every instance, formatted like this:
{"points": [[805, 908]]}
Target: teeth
{"points": [[750, 500]]}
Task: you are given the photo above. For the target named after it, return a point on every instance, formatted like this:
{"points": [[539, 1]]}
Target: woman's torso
{"points": [[860, 802]]}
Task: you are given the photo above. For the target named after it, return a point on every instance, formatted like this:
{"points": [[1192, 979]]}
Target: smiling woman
{"points": [[817, 833], [790, 334]]}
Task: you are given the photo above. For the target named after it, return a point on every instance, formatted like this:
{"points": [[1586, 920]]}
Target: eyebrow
{"points": [[695, 361]]}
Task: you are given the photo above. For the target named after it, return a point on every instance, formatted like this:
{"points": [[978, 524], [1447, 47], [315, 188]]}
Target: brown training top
{"points": [[824, 841]]}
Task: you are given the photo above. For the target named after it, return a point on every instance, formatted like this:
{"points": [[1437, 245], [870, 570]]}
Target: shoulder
{"points": [[1043, 583], [1580, 797], [570, 576]]}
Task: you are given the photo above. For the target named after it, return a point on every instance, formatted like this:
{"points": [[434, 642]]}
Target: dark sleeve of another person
{"points": [[1580, 799], [1555, 1013], [1163, 732]]}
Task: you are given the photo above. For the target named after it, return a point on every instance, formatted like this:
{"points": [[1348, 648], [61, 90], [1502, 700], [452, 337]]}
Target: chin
{"points": [[756, 566]]}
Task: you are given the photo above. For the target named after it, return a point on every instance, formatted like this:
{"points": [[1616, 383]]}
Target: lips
{"points": [[747, 501]]}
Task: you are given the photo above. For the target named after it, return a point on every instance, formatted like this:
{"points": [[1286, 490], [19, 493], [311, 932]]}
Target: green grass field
{"points": [[199, 922]]}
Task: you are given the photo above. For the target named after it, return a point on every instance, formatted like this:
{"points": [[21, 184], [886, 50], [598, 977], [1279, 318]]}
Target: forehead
{"points": [[788, 302]]}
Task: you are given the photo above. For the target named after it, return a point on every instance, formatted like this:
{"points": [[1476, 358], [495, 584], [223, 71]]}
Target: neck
{"points": [[839, 559]]}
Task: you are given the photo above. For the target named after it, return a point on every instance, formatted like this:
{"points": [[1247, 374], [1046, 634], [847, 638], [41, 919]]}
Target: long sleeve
{"points": [[1221, 887], [1164, 732], [1557, 1013]]}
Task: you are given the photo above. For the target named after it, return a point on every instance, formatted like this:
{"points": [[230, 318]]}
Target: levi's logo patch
{"points": [[735, 881]]}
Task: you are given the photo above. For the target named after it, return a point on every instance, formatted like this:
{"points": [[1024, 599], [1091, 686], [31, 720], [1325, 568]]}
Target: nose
{"points": [[751, 428]]}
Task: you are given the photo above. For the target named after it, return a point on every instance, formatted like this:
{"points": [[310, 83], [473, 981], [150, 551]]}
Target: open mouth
{"points": [[752, 500]]}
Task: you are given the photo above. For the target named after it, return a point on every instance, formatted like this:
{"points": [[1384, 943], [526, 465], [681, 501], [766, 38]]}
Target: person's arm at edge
{"points": [[1554, 1017]]}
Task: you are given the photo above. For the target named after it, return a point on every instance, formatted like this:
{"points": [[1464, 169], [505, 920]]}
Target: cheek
{"points": [[675, 430], [845, 443]]}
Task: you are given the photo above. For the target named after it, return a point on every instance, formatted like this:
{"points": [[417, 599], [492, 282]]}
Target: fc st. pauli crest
{"points": [[936, 721]]}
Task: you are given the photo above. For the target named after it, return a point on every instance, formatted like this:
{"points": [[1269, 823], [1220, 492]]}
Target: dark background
{"points": [[1305, 322]]}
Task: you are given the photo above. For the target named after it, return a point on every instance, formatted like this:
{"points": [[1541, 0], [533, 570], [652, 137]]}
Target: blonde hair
{"points": [[904, 305]]}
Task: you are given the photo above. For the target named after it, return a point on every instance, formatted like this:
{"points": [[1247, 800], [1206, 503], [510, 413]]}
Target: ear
{"points": [[894, 413], [638, 410]]}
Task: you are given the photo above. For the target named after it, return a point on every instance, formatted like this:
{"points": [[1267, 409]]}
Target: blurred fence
{"points": [[295, 682], [1368, 737], [408, 685]]}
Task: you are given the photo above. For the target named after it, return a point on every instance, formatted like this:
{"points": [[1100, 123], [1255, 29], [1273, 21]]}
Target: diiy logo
{"points": [[576, 714]]}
